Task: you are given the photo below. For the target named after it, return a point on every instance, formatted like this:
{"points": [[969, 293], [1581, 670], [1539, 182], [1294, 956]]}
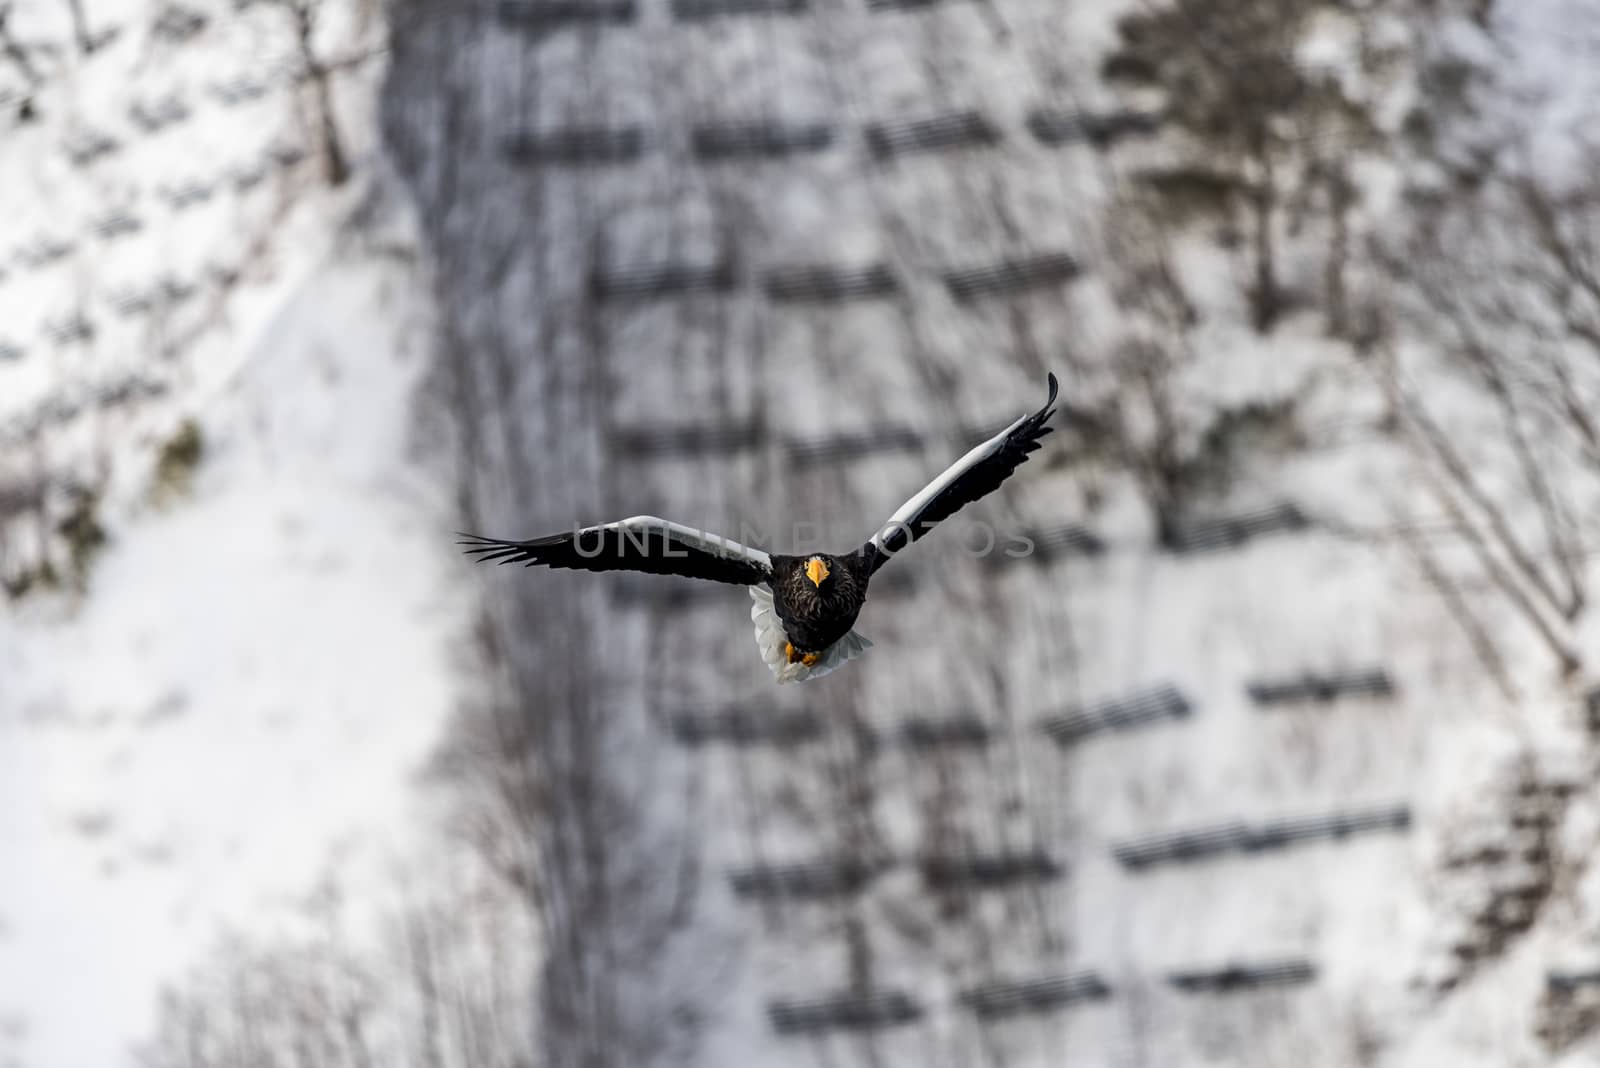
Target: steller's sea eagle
{"points": [[805, 606]]}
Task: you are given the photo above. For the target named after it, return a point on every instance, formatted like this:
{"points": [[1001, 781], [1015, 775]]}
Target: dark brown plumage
{"points": [[815, 615]]}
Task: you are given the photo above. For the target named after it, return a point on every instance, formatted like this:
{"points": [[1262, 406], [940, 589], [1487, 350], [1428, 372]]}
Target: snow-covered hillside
{"points": [[1280, 757], [225, 703], [1276, 751]]}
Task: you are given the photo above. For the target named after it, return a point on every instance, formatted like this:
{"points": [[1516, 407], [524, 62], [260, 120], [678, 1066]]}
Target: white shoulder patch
{"points": [[907, 513], [771, 640], [712, 543]]}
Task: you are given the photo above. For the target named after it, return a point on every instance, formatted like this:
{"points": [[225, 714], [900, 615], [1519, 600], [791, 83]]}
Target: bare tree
{"points": [[1503, 282], [1264, 132], [445, 982], [1180, 452], [1229, 77], [80, 27], [318, 73], [14, 50]]}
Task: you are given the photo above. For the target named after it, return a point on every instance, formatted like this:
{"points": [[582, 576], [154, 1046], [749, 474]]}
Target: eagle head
{"points": [[816, 570]]}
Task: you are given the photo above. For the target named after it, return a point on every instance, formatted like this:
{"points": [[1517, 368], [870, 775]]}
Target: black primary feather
{"points": [[608, 548], [976, 481]]}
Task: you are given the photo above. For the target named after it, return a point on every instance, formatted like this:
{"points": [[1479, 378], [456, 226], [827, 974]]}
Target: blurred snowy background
{"points": [[1280, 749]]}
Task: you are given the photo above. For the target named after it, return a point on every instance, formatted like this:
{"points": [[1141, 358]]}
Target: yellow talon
{"points": [[795, 656]]}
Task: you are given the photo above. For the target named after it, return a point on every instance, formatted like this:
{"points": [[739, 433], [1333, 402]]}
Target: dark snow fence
{"points": [[151, 116], [843, 1012], [1050, 544], [170, 290], [577, 146], [549, 14], [115, 224], [987, 871], [246, 177], [656, 281], [742, 727], [702, 439], [285, 154], [42, 252], [852, 446], [187, 195], [1229, 532], [1566, 982], [1371, 682], [127, 388], [664, 591], [131, 302], [827, 284], [960, 129], [760, 139], [240, 90], [729, 438], [694, 10], [1240, 838], [1136, 710], [167, 292], [88, 146], [1065, 540], [820, 879], [1012, 275], [1240, 977], [1591, 709], [177, 24], [963, 731], [1052, 126], [1010, 997], [70, 329]]}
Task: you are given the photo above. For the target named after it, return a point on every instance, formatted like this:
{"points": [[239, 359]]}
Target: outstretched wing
{"points": [[641, 543], [975, 475]]}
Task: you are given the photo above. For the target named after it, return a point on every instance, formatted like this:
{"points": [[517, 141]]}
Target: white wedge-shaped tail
{"points": [[771, 640]]}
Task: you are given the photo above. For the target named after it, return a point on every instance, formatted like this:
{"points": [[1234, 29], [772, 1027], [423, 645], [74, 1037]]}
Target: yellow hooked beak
{"points": [[816, 570]]}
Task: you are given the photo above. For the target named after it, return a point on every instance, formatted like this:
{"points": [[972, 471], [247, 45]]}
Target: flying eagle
{"points": [[805, 606]]}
